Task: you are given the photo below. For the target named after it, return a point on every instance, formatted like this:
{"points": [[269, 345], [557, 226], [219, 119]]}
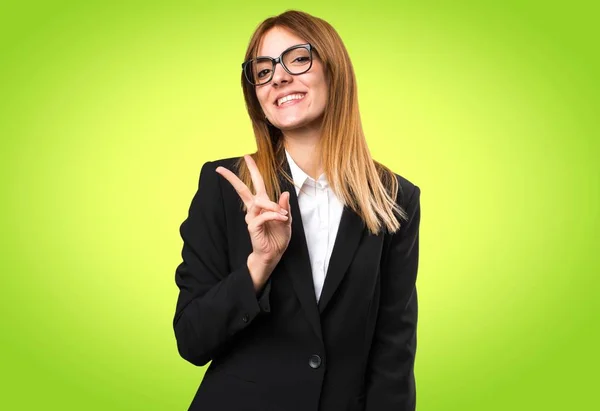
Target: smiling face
{"points": [[292, 102]]}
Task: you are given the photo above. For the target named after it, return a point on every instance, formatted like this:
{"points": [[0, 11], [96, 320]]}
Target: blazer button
{"points": [[246, 318], [314, 361]]}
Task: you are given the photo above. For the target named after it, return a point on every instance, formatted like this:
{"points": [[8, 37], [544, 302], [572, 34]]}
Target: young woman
{"points": [[306, 303]]}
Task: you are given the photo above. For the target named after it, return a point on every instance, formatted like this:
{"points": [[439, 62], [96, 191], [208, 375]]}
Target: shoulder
{"points": [[229, 163], [408, 191], [408, 198], [209, 179], [213, 184], [208, 169]]}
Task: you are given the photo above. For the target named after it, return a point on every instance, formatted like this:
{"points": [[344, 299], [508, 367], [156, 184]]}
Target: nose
{"points": [[280, 75]]}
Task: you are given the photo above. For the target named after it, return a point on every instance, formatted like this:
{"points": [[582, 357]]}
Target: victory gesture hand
{"points": [[269, 223]]}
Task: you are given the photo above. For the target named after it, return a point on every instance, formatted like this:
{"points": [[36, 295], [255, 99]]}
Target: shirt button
{"points": [[314, 361], [246, 318]]}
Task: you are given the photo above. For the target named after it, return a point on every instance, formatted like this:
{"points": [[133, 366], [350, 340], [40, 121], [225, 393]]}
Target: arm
{"points": [[389, 380], [215, 302]]}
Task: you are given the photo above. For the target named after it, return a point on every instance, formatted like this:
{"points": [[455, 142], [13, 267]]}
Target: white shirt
{"points": [[321, 213]]}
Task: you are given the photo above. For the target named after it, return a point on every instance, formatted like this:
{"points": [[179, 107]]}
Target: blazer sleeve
{"points": [[389, 380], [215, 301]]}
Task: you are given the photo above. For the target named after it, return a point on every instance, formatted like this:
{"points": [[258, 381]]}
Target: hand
{"points": [[269, 223]]}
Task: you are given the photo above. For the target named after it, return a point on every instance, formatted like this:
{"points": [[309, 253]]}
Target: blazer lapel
{"points": [[346, 241], [296, 259]]}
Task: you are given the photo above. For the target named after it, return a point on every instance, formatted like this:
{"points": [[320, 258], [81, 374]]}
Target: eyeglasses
{"points": [[295, 60]]}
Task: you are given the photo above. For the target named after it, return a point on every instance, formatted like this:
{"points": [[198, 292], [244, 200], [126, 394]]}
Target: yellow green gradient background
{"points": [[109, 110]]}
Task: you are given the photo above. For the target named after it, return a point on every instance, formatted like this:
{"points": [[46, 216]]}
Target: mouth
{"points": [[289, 99]]}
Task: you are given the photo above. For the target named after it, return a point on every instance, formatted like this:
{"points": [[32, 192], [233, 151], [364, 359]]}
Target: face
{"points": [[308, 90]]}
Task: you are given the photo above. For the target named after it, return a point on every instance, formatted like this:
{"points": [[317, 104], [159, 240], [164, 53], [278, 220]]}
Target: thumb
{"points": [[283, 203]]}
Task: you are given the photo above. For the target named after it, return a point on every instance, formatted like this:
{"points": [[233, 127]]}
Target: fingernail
{"points": [[283, 211]]}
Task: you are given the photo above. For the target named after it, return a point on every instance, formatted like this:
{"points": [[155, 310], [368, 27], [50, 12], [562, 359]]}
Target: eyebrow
{"points": [[284, 50]]}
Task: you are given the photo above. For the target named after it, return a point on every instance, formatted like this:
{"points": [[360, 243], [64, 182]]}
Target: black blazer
{"points": [[280, 350]]}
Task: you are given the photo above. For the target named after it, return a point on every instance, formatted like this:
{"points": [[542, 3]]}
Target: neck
{"points": [[303, 144]]}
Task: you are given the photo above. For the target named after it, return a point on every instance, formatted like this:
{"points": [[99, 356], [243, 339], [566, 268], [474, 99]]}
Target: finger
{"points": [[239, 186], [289, 207], [257, 180], [262, 204], [284, 203], [283, 200], [264, 217]]}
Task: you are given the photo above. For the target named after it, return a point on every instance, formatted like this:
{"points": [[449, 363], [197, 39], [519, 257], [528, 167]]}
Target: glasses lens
{"points": [[297, 60], [259, 71]]}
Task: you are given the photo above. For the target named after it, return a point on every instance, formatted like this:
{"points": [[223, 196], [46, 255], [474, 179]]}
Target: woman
{"points": [[307, 303]]}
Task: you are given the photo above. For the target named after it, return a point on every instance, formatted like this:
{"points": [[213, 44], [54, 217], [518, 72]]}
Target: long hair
{"points": [[366, 186]]}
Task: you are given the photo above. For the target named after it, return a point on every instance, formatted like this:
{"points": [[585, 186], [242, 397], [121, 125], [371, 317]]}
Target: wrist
{"points": [[260, 270], [259, 261]]}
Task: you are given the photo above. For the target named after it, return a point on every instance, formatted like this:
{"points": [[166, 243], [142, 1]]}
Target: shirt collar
{"points": [[300, 177]]}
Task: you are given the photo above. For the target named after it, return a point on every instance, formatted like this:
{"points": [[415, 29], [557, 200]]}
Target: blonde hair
{"points": [[366, 186]]}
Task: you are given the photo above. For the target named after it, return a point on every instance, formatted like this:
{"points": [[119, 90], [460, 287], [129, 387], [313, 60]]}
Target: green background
{"points": [[108, 111]]}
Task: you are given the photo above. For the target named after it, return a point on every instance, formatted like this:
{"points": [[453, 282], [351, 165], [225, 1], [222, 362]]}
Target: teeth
{"points": [[289, 97]]}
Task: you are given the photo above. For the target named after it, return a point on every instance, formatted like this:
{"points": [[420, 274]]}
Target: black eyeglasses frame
{"points": [[274, 62]]}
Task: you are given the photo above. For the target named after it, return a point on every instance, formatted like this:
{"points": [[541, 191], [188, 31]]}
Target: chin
{"points": [[293, 124], [289, 126]]}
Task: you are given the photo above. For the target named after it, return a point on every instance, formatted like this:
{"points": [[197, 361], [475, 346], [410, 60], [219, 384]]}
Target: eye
{"points": [[263, 73], [301, 59]]}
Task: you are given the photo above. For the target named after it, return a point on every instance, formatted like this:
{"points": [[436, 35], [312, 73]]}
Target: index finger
{"points": [[238, 185], [257, 179]]}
